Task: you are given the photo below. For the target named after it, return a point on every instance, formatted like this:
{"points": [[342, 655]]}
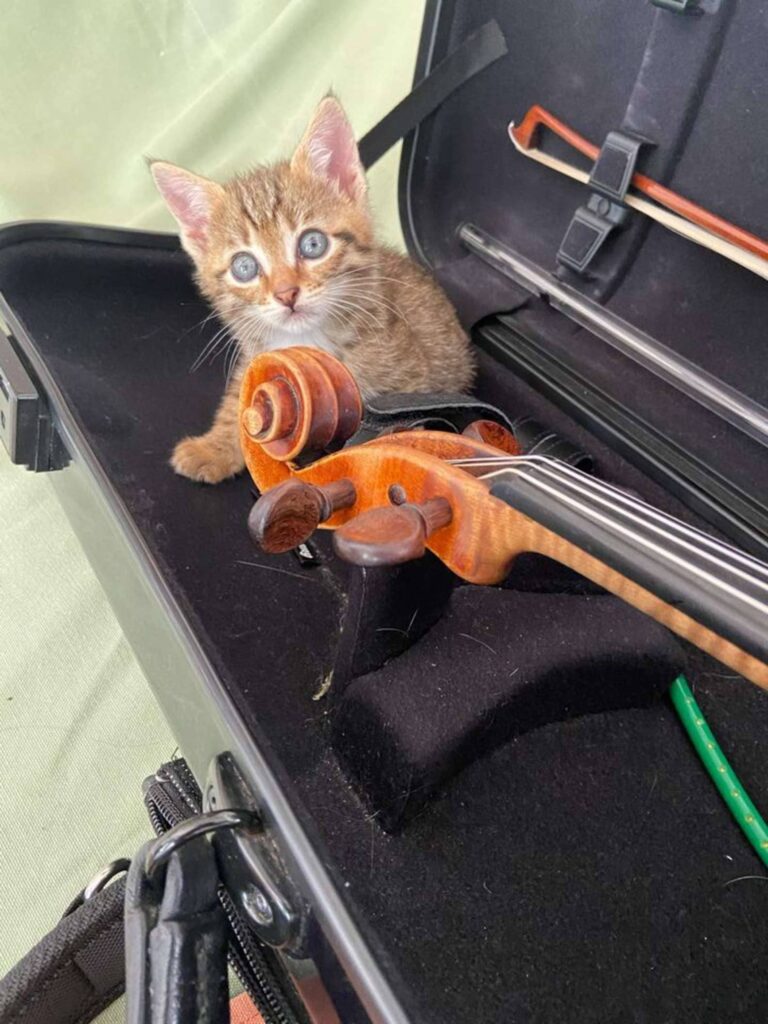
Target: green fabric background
{"points": [[87, 89]]}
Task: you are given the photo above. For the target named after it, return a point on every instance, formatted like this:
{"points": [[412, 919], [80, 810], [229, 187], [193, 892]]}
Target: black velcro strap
{"points": [[477, 51], [76, 971]]}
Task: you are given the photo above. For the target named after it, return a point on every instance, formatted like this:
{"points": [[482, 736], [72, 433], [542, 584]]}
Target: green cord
{"points": [[731, 790]]}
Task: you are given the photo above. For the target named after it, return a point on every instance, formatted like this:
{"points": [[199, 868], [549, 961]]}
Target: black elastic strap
{"points": [[73, 973], [477, 51], [433, 411]]}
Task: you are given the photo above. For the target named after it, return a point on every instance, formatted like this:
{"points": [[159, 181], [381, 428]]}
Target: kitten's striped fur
{"points": [[364, 302]]}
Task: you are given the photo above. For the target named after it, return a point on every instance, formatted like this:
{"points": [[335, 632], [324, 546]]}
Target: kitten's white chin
{"points": [[297, 322], [299, 330]]}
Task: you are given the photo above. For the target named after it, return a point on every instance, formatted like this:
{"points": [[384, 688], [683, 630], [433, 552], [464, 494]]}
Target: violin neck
{"points": [[708, 593]]}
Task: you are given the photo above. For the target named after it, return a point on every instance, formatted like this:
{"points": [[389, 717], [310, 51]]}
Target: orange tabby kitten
{"points": [[286, 255]]}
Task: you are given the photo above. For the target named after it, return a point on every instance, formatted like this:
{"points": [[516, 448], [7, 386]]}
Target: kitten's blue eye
{"points": [[313, 244], [244, 267]]}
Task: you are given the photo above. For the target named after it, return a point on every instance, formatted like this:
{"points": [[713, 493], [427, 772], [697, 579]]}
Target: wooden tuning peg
{"points": [[493, 433], [392, 534], [289, 514]]}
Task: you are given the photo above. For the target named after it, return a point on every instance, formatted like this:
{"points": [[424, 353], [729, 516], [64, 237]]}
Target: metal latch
{"points": [[25, 425]]}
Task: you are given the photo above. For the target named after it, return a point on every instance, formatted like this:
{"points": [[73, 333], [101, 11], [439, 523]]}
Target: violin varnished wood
{"points": [[293, 401], [288, 514], [485, 534], [390, 536], [549, 544], [490, 432]]}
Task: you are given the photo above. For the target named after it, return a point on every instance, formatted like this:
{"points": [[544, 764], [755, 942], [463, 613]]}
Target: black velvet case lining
{"points": [[583, 871]]}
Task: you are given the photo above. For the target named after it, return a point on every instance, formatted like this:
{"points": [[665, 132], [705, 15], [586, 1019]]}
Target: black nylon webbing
{"points": [[73, 973], [477, 51]]}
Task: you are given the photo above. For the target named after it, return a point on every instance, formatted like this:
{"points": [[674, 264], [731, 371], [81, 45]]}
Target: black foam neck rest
{"points": [[498, 664]]}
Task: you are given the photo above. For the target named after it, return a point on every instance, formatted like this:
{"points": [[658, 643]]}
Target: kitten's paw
{"points": [[203, 459]]}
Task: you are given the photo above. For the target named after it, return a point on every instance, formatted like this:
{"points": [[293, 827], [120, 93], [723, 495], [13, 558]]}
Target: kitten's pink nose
{"points": [[287, 296]]}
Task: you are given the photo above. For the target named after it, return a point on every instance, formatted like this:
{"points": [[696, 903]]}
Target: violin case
{"points": [[477, 803]]}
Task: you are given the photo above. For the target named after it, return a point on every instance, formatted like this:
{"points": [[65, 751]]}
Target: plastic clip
{"points": [[605, 210]]}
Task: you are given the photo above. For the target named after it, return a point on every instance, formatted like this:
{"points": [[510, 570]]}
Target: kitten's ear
{"points": [[191, 199], [329, 150]]}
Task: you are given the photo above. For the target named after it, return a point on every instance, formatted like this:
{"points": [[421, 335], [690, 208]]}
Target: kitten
{"points": [[286, 256]]}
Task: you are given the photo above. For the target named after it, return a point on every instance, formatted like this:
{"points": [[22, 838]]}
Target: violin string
{"points": [[627, 499], [698, 536], [668, 523], [736, 554], [595, 486], [664, 553], [632, 535], [578, 482]]}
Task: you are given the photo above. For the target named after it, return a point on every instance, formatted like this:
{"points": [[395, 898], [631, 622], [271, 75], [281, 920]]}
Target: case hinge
{"points": [[605, 210]]}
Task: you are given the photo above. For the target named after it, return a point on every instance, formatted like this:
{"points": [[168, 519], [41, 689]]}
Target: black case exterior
{"points": [[586, 870]]}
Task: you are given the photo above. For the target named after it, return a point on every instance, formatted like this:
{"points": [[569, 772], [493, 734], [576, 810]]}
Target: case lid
{"points": [[685, 84]]}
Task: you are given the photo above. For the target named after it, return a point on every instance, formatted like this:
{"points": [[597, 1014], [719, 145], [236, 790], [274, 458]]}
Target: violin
{"points": [[476, 503]]}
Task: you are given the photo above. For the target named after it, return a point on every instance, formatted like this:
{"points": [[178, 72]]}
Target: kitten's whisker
{"points": [[365, 285], [375, 277], [209, 348], [339, 301], [337, 317], [217, 343], [231, 362], [377, 301], [198, 325], [347, 318], [351, 307], [254, 332]]}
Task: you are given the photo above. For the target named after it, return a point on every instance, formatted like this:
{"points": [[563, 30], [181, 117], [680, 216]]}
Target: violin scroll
{"points": [[296, 400], [391, 534]]}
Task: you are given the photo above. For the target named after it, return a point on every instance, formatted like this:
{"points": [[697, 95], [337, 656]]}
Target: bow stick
{"points": [[686, 219]]}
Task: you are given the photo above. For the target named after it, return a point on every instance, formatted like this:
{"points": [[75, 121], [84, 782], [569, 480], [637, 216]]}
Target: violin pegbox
{"points": [[393, 497], [294, 401]]}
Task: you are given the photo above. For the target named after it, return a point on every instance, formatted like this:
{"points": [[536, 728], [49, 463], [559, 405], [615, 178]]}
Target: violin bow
{"points": [[669, 208]]}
